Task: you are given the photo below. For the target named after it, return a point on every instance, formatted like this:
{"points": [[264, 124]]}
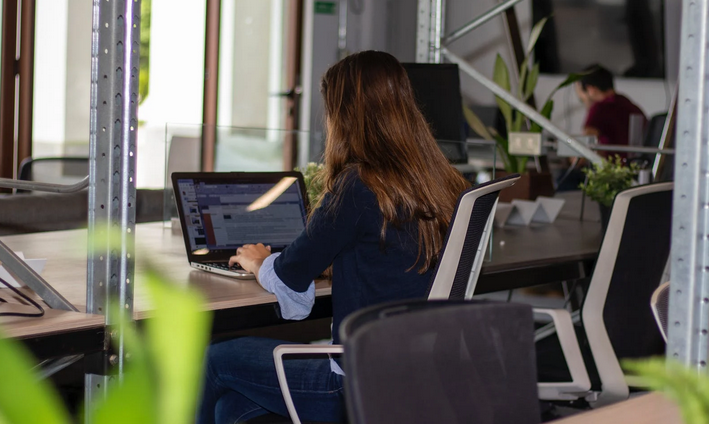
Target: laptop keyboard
{"points": [[224, 266]]}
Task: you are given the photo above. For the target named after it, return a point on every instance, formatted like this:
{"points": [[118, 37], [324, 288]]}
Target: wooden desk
{"points": [[66, 268], [545, 253], [540, 253], [57, 333], [652, 408], [521, 257], [238, 304]]}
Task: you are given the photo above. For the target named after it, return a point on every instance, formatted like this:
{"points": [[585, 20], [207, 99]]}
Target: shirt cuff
{"points": [[294, 305]]}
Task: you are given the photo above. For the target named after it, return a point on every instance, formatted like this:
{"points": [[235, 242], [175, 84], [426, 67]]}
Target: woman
{"points": [[389, 195]]}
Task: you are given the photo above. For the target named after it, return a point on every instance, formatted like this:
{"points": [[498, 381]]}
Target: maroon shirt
{"points": [[611, 117]]}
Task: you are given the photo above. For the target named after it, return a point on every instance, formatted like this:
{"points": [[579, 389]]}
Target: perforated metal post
{"points": [[114, 124], [688, 327], [430, 25]]}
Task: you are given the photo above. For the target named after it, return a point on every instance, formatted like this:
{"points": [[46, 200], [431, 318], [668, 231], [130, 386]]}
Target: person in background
{"points": [[608, 118], [389, 196], [609, 113]]}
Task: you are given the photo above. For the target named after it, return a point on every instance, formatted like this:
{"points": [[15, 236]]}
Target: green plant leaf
{"points": [[24, 398], [545, 112], [313, 177], [177, 359], [501, 76], [502, 150], [517, 121], [687, 387], [534, 35], [607, 178], [476, 124], [521, 164], [531, 82]]}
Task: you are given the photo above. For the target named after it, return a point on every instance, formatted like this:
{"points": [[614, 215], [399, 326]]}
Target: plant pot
{"points": [[529, 187]]}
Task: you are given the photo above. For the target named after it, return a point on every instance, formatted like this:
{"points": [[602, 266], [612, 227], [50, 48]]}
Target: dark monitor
{"points": [[437, 90]]}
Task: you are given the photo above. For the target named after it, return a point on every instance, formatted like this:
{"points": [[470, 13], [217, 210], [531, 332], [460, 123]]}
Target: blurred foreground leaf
{"points": [[24, 398], [687, 387]]}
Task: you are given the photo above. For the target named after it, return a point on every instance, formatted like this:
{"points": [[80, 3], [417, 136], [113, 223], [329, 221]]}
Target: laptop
{"points": [[220, 212]]}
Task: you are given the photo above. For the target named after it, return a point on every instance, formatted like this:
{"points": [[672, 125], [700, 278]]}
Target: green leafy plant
{"points": [[163, 371], [685, 386], [312, 174], [609, 177], [514, 120], [144, 73]]}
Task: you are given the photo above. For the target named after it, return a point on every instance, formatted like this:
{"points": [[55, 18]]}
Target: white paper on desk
{"points": [[548, 210], [522, 212], [37, 266], [502, 213]]}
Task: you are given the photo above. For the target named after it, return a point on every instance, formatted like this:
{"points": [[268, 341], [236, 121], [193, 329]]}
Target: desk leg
{"points": [[95, 389]]}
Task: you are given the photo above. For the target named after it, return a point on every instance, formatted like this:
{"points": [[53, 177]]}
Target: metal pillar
{"points": [[689, 291], [430, 27], [114, 124], [491, 13]]}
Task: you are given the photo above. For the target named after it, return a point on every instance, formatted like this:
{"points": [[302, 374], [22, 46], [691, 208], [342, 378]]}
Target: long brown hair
{"points": [[375, 129]]}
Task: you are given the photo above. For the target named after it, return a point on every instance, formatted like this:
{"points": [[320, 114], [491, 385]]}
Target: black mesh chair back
{"points": [[441, 362], [639, 267], [630, 266], [460, 260]]}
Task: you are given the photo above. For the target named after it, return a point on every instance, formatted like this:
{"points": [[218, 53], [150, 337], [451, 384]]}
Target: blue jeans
{"points": [[241, 383]]}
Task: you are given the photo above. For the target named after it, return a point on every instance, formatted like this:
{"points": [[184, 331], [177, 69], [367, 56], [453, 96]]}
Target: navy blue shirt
{"points": [[365, 269]]}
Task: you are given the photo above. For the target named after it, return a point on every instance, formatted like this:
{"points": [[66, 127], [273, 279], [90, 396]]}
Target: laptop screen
{"points": [[222, 214]]}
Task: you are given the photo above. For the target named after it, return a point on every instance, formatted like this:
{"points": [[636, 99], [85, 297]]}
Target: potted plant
{"points": [[605, 180], [532, 184], [313, 181]]}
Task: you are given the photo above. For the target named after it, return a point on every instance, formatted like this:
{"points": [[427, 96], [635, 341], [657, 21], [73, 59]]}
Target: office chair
{"points": [[60, 170], [614, 322], [651, 138], [440, 362], [455, 274], [660, 304]]}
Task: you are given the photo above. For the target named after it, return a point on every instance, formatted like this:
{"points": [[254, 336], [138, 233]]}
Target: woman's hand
{"points": [[250, 257]]}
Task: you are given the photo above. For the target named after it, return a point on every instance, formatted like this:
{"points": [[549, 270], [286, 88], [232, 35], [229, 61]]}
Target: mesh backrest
{"points": [[442, 362], [638, 270], [476, 225], [474, 221]]}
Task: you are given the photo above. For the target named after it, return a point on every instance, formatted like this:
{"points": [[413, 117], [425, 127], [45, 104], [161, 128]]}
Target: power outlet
{"points": [[525, 144]]}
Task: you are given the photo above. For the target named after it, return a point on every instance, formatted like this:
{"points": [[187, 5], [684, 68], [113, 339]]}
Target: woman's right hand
{"points": [[250, 257]]}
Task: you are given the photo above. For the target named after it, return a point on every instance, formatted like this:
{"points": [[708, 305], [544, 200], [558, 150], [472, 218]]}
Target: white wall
{"points": [[62, 80], [78, 75], [50, 73]]}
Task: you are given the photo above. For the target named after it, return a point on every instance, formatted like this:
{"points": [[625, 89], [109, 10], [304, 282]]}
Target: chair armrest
{"points": [[294, 349], [580, 382], [549, 329]]}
